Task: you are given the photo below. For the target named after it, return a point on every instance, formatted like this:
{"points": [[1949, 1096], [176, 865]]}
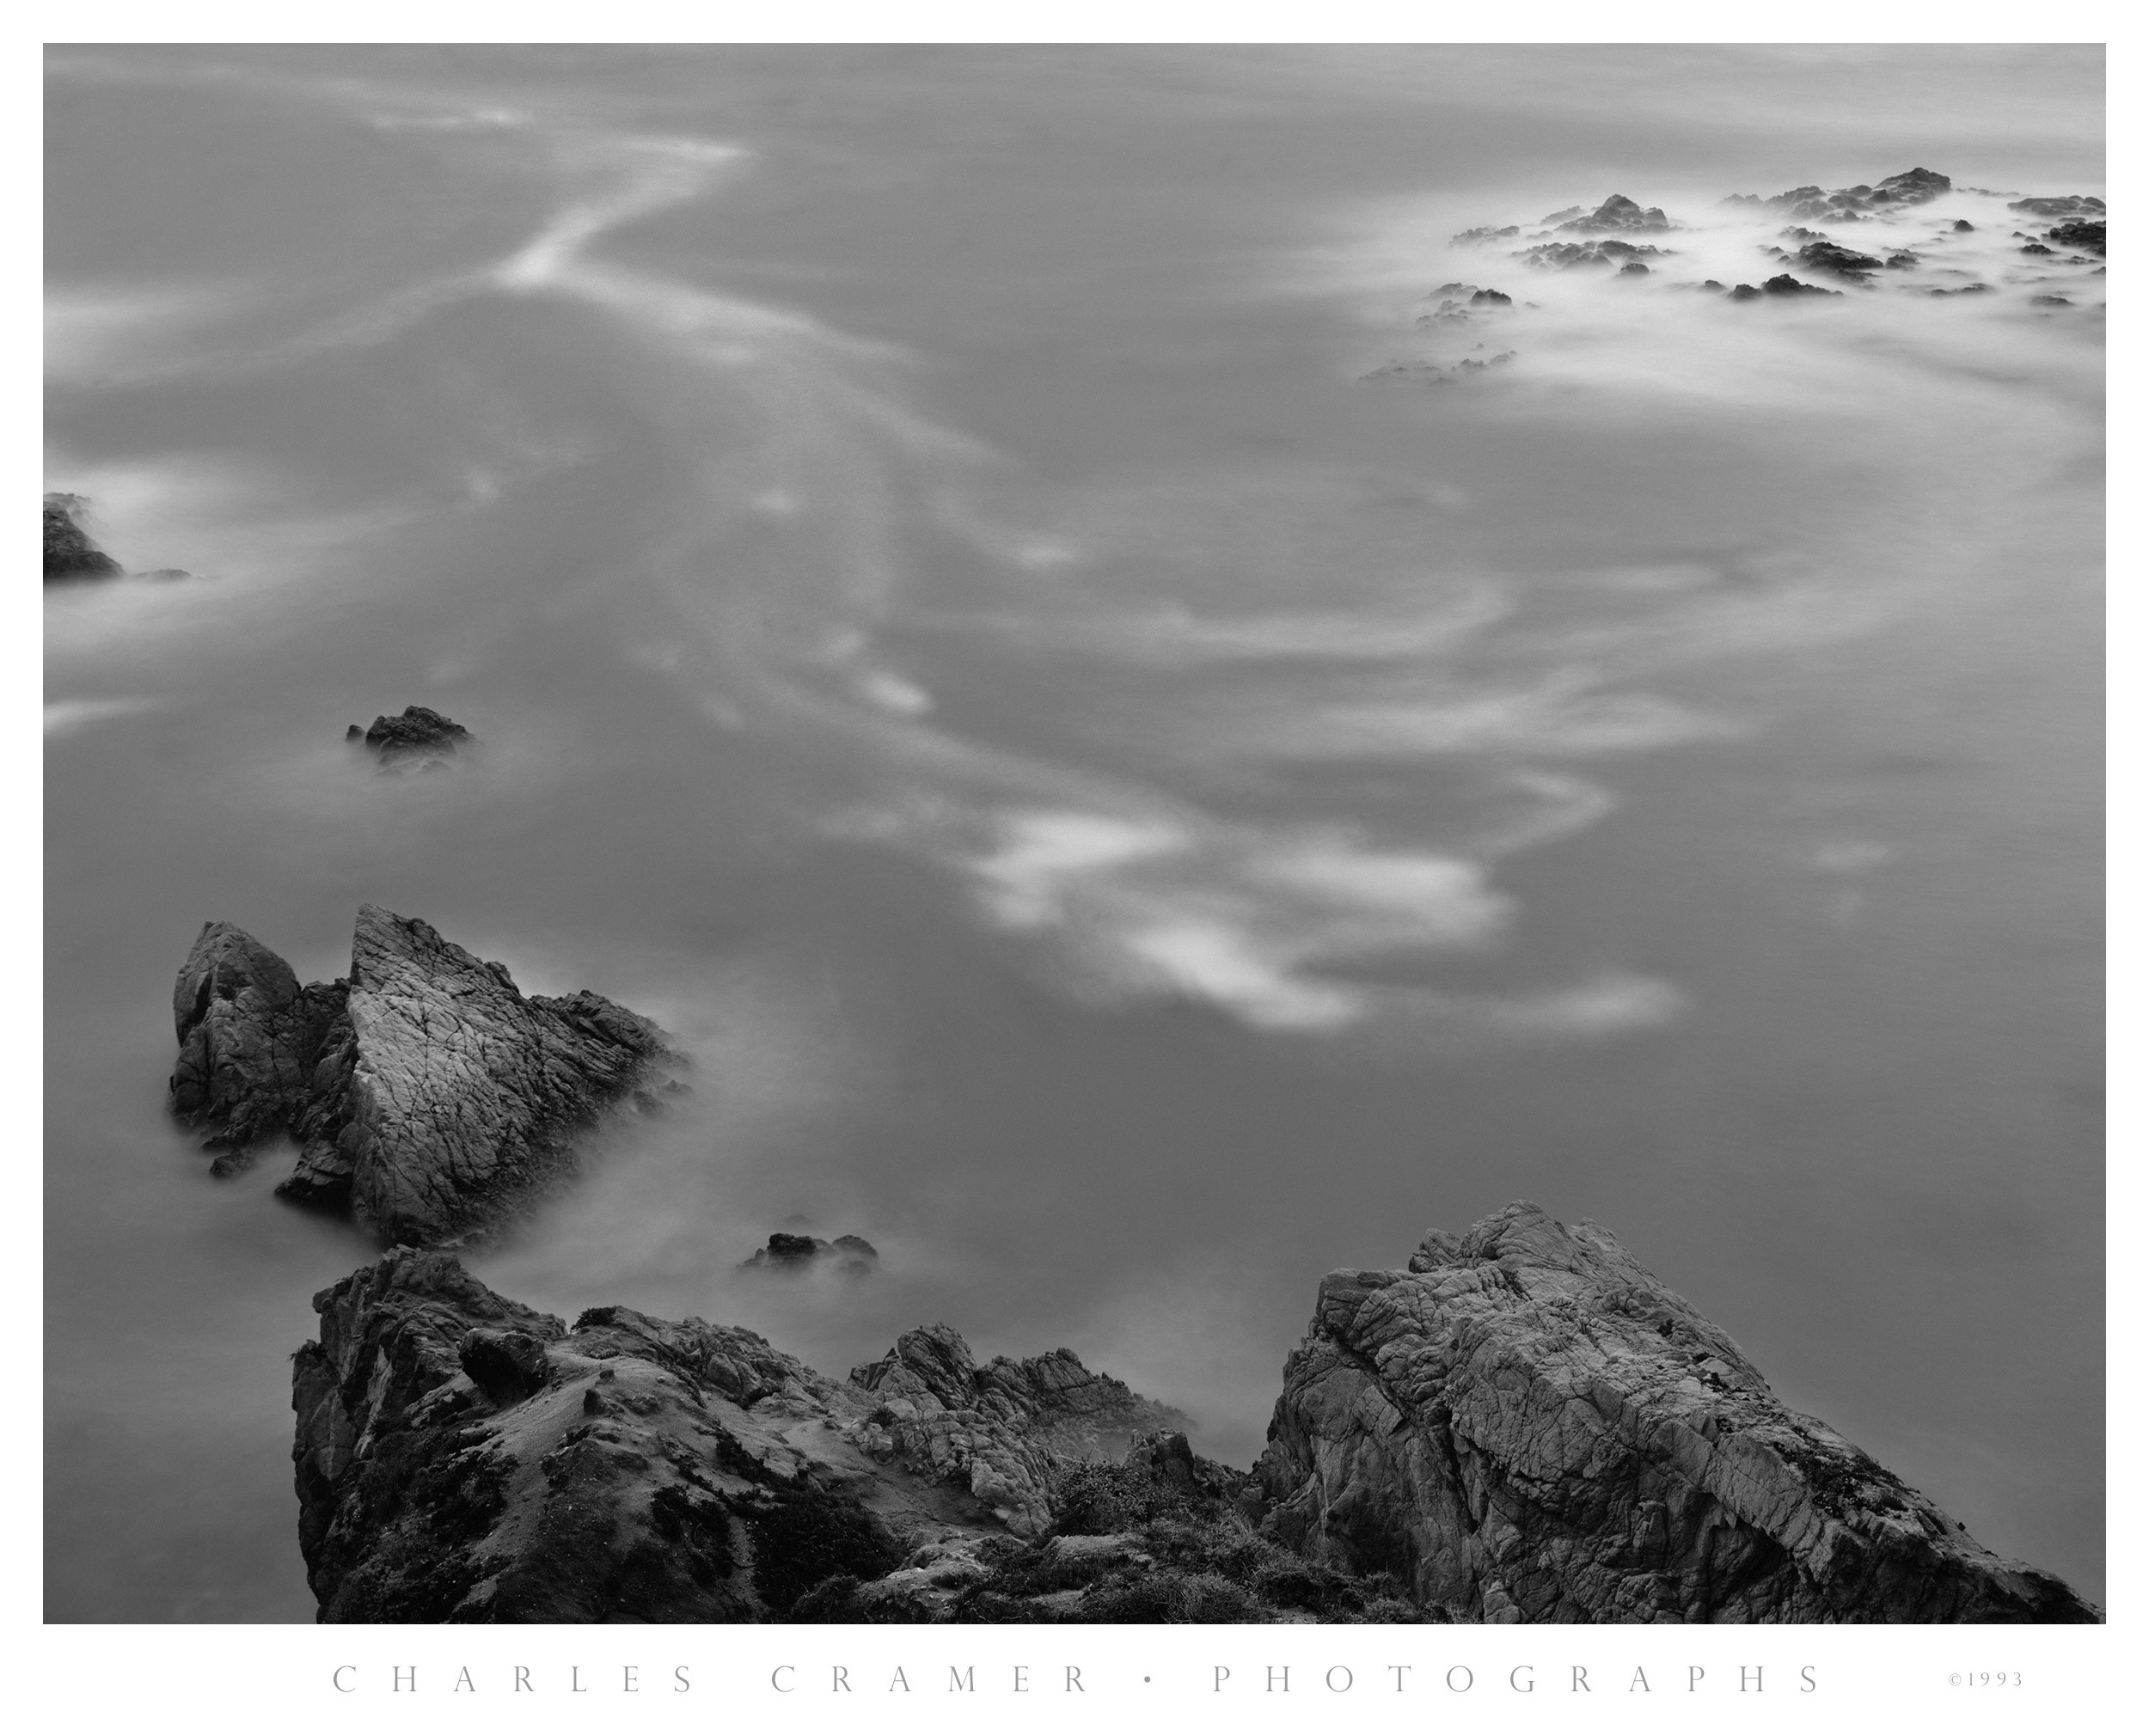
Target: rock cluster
{"points": [[852, 1256], [1567, 256], [2072, 205], [420, 735], [461, 1458], [1852, 204], [70, 552], [1618, 215], [428, 1097], [1526, 1425]]}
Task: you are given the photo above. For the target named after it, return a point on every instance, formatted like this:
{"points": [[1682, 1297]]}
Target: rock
{"points": [[1003, 1428], [420, 733], [1964, 226], [70, 552], [2050, 302], [1527, 1426], [1567, 256], [1826, 256], [1493, 298], [249, 1039], [461, 1457], [2088, 237], [1479, 236], [1523, 1426], [429, 1097], [1616, 215], [1785, 284], [2066, 205], [852, 1256]]}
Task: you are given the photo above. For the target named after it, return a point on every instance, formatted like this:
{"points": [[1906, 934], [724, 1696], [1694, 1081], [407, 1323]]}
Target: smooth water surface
{"points": [[1128, 814]]}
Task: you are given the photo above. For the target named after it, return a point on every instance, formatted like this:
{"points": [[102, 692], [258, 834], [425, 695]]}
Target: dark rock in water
{"points": [[1852, 204], [420, 733], [430, 1098], [1491, 298], [165, 575], [1901, 261], [461, 1457], [249, 1040], [852, 1256], [1966, 290], [2066, 205], [1633, 268], [1826, 256], [68, 551], [1567, 256], [1524, 1425], [1474, 237], [2088, 237], [1785, 284], [2050, 302], [1527, 1426], [1964, 226], [1616, 215], [2034, 248]]}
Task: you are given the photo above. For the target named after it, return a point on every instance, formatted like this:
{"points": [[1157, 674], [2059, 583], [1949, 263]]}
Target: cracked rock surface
{"points": [[461, 1458], [1527, 1426], [429, 1097]]}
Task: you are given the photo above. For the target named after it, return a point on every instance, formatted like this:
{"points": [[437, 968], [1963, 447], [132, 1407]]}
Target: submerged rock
{"points": [[461, 1458], [420, 733], [852, 1256], [1527, 1426], [429, 1097], [70, 552]]}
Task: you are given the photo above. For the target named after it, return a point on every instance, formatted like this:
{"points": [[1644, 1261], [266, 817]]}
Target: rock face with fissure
{"points": [[428, 1096], [1527, 1426], [461, 1457], [70, 552], [1524, 1427]]}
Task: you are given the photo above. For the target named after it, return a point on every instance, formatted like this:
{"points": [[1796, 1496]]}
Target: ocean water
{"points": [[991, 608]]}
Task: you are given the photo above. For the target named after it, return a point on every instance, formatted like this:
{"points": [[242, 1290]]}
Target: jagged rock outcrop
{"points": [[1525, 1426], [852, 1256], [1003, 1424], [420, 734], [2066, 205], [249, 1040], [461, 1458], [70, 552], [1528, 1426], [1617, 215], [1913, 186], [2087, 237], [1782, 284], [428, 1096], [1567, 256]]}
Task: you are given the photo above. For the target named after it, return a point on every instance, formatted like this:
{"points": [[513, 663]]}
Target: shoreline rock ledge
{"points": [[429, 1097], [1527, 1426], [1523, 1426], [460, 1457]]}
